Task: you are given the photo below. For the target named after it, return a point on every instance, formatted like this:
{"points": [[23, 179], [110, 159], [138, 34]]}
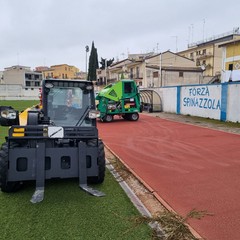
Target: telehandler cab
{"points": [[60, 140]]}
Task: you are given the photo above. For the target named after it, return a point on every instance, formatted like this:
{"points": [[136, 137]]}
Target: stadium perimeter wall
{"points": [[216, 101]]}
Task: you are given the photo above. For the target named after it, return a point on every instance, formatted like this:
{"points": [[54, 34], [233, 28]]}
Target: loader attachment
{"points": [[59, 140], [38, 195], [83, 172]]}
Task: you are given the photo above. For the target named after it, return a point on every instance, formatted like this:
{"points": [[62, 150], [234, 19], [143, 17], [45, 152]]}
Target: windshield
{"points": [[67, 106]]}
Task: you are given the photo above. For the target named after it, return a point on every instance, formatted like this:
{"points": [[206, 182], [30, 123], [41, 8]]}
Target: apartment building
{"points": [[1, 77], [22, 75], [61, 71], [170, 69], [154, 70], [230, 61], [207, 53]]}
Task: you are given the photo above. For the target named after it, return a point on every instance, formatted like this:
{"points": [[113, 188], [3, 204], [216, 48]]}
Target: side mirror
{"points": [[8, 116]]}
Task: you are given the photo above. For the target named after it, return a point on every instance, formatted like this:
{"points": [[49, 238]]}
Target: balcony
{"points": [[204, 56], [102, 82], [135, 76]]}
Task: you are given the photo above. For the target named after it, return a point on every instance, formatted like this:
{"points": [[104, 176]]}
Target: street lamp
{"points": [[87, 50], [106, 70], [160, 70]]}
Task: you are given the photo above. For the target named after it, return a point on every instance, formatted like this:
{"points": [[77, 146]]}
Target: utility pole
{"points": [[160, 69], [106, 70], [203, 29], [192, 27], [87, 50]]}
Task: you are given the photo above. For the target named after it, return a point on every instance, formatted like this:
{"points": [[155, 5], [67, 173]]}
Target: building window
{"points": [[181, 74], [204, 51], [155, 74], [27, 76], [230, 67], [137, 72], [131, 73]]}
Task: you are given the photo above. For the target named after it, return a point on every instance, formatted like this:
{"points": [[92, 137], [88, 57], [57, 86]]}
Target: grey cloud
{"points": [[57, 31]]}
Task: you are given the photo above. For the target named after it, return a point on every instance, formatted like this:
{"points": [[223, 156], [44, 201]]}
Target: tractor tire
{"points": [[133, 116], [4, 147], [101, 165], [4, 184], [108, 118]]}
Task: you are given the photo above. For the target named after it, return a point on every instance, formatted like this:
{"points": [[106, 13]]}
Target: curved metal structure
{"points": [[150, 100]]}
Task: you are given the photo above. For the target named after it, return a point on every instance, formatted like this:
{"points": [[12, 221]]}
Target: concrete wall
{"points": [[171, 78], [202, 101], [218, 101], [17, 92], [233, 102]]}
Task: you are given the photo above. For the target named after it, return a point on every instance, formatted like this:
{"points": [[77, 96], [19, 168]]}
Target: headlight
{"points": [[9, 114], [94, 114]]}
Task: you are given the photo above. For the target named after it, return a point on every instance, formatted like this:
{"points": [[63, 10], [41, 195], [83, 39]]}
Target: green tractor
{"points": [[121, 98]]}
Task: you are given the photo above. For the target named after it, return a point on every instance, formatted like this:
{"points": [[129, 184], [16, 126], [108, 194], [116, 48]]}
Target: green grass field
{"points": [[68, 212]]}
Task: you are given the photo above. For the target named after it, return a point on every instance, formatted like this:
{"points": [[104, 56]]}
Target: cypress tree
{"points": [[93, 64]]}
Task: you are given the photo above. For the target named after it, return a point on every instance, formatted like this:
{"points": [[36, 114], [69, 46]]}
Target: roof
{"points": [[229, 43], [18, 67], [184, 69], [168, 51]]}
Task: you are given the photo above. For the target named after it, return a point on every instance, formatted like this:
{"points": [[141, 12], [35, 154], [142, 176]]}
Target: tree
{"points": [[93, 64], [103, 62]]}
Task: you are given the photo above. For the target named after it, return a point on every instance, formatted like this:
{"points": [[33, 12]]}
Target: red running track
{"points": [[187, 166]]}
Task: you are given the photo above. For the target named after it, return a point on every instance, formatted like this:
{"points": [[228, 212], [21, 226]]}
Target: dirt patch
{"points": [[146, 197]]}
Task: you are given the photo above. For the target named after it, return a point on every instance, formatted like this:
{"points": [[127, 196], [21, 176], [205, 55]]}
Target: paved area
{"points": [[187, 166]]}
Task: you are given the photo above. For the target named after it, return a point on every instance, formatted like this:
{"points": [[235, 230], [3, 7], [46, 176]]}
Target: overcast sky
{"points": [[49, 32]]}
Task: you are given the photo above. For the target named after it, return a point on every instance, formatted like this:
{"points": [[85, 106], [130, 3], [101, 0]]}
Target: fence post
{"points": [[224, 97], [178, 108]]}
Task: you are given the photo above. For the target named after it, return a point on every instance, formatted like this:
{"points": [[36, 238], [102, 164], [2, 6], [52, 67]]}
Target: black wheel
{"points": [[5, 147], [108, 118], [101, 165], [4, 184], [133, 116]]}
